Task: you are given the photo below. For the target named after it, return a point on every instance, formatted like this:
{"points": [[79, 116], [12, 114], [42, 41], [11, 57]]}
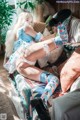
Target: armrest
{"points": [[9, 41], [72, 114], [8, 45], [64, 103]]}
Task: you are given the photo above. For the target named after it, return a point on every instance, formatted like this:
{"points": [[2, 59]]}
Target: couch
{"points": [[57, 103], [67, 107]]}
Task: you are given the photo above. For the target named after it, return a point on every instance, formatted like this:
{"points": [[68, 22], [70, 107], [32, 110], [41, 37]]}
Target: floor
{"points": [[5, 87], [4, 74]]}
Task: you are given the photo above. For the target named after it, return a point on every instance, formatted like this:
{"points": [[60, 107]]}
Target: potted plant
{"points": [[6, 13]]}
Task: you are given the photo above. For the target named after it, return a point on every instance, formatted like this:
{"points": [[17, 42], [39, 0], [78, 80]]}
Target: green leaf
{"points": [[6, 13], [26, 6], [31, 5], [22, 3]]}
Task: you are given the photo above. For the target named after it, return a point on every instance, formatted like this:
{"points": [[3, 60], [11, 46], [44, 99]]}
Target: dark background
{"points": [[74, 7]]}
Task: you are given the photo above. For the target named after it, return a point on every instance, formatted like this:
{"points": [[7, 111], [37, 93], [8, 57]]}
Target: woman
{"points": [[24, 20], [23, 36], [25, 64], [33, 53]]}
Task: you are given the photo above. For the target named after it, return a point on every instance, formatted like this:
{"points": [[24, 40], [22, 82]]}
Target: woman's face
{"points": [[54, 29], [25, 17], [29, 19]]}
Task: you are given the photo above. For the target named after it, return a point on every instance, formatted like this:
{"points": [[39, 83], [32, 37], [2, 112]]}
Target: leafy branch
{"points": [[27, 5], [6, 13]]}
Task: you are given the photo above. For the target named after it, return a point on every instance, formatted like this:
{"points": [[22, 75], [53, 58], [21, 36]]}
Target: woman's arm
{"points": [[33, 33], [49, 37], [40, 52], [38, 46]]}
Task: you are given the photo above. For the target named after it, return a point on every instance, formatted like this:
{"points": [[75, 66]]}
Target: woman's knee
{"points": [[19, 69], [20, 66]]}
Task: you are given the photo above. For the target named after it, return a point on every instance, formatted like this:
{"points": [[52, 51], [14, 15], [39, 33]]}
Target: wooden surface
{"points": [[74, 7]]}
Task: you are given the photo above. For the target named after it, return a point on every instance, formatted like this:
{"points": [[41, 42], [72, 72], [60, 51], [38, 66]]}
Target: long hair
{"points": [[12, 34]]}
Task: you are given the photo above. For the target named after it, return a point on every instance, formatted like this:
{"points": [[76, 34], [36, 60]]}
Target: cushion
{"points": [[74, 35], [46, 32], [39, 26], [9, 43], [70, 70], [75, 85]]}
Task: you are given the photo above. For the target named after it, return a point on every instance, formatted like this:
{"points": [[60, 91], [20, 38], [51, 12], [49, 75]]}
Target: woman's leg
{"points": [[49, 79], [40, 46], [22, 66], [45, 77], [51, 82]]}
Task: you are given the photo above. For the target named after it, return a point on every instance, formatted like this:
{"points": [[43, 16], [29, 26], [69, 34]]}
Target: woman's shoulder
{"points": [[23, 35]]}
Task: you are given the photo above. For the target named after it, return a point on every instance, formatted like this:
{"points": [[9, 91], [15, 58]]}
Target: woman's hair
{"points": [[60, 17], [12, 35], [22, 18], [53, 22]]}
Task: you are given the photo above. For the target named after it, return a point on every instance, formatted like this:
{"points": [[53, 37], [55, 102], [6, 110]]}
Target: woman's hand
{"points": [[48, 37]]}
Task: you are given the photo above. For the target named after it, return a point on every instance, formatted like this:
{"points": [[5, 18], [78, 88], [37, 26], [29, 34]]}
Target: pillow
{"points": [[46, 32], [39, 26], [77, 35], [75, 85], [9, 41], [74, 30], [70, 70]]}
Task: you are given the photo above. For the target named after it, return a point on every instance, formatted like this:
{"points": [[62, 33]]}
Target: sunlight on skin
{"points": [[2, 87], [38, 46], [15, 117], [2, 90]]}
